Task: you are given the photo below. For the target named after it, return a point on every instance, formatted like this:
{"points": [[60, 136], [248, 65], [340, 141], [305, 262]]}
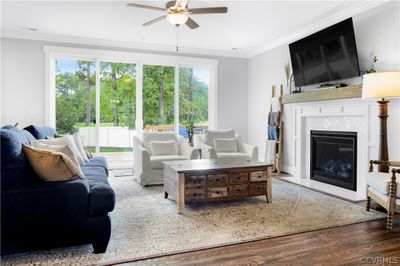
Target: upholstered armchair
{"points": [[224, 144], [155, 148], [384, 189]]}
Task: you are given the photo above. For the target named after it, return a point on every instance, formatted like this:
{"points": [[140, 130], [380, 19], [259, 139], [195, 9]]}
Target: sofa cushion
{"points": [[98, 161], [156, 162], [149, 137], [381, 181], [52, 165], [168, 147], [225, 145], [233, 155], [64, 148], [211, 134], [15, 168], [101, 196], [41, 132]]}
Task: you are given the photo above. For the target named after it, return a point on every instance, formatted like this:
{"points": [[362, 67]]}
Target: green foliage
{"points": [[76, 96]]}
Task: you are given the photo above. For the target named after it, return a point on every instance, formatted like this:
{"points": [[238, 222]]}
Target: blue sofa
{"points": [[40, 215]]}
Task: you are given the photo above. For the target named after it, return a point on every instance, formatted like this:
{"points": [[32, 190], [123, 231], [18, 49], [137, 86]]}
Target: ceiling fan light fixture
{"points": [[177, 19]]}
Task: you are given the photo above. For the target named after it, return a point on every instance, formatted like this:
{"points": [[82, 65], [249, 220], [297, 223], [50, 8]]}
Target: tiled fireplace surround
{"points": [[354, 115]]}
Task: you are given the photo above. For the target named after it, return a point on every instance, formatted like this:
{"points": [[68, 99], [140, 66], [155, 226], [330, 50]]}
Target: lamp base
{"points": [[383, 146]]}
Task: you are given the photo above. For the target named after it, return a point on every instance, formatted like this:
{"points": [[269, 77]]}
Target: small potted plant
{"points": [[189, 125]]}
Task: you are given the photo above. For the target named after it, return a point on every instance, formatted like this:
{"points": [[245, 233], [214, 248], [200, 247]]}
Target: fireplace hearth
{"points": [[334, 158]]}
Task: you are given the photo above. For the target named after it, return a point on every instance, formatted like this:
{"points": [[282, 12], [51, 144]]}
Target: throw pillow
{"points": [[225, 145], [64, 148], [209, 135], [158, 148], [68, 140], [80, 146], [51, 165]]}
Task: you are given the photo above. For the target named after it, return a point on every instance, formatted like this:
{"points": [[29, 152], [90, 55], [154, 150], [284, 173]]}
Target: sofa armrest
{"points": [[46, 203], [187, 151], [250, 150]]}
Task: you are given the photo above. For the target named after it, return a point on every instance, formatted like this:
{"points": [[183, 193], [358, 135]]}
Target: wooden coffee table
{"points": [[210, 180]]}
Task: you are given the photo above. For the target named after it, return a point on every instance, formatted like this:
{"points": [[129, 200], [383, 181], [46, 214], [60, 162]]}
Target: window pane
{"points": [[117, 106], [75, 99], [193, 98], [158, 98]]}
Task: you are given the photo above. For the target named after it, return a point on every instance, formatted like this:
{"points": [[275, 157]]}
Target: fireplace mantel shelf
{"points": [[353, 91]]}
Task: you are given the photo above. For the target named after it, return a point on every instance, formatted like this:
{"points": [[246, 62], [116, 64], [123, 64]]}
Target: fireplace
{"points": [[334, 158]]}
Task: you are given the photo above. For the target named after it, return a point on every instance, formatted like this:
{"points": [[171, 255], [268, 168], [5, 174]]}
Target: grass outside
{"points": [[110, 149]]}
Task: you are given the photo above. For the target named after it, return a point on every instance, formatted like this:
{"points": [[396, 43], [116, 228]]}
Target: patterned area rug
{"points": [[145, 224]]}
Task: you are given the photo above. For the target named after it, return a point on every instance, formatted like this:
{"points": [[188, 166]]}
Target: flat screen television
{"points": [[325, 56]]}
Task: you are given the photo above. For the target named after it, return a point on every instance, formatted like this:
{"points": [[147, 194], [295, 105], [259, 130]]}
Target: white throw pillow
{"points": [[169, 147], [210, 135], [80, 146], [63, 148], [225, 145], [68, 140]]}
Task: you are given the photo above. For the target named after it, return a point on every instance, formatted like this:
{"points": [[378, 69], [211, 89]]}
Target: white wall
{"points": [[377, 33], [23, 91]]}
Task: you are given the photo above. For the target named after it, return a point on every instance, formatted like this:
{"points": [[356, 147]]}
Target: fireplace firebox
{"points": [[334, 158]]}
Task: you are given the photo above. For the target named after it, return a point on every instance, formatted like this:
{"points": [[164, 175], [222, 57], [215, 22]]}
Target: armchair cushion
{"points": [[149, 137], [381, 181], [233, 155], [156, 162], [168, 147], [211, 134], [225, 145]]}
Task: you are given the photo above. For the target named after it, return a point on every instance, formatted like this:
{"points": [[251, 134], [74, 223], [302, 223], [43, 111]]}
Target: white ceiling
{"points": [[249, 26]]}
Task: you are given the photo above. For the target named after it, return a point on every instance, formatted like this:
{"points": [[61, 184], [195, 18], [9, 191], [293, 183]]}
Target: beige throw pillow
{"points": [[80, 146], [51, 165], [68, 140], [225, 145], [64, 148]]}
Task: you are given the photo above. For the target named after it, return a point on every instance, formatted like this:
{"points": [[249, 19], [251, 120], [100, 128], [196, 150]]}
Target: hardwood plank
{"points": [[345, 245]]}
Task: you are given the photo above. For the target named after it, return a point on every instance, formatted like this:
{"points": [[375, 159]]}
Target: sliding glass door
{"points": [[158, 98]]}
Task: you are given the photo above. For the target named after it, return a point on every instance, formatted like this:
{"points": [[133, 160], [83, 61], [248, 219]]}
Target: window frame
{"points": [[52, 53]]}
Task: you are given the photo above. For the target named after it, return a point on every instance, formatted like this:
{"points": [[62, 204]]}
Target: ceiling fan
{"points": [[178, 11]]}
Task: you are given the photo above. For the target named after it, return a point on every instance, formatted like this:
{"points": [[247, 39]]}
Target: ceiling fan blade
{"points": [[148, 23], [209, 10], [146, 6], [192, 24]]}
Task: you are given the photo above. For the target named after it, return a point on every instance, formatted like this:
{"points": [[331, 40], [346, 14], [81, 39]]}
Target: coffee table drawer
{"points": [[217, 180], [238, 178], [217, 192], [239, 190], [258, 176], [195, 181], [258, 188], [193, 194]]}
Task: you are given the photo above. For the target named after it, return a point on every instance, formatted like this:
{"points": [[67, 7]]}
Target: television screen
{"points": [[328, 55]]}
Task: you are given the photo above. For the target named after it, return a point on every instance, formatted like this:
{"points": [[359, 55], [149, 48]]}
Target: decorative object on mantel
{"points": [[273, 153], [354, 91], [382, 86], [288, 74], [372, 67]]}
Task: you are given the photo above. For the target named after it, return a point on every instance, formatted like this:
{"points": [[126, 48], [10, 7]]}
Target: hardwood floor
{"points": [[356, 244]]}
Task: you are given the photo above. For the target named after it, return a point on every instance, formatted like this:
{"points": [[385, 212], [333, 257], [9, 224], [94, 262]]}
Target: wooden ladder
{"points": [[278, 160]]}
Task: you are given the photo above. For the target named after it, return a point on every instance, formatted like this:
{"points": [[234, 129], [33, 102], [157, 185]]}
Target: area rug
{"points": [[122, 172], [146, 225]]}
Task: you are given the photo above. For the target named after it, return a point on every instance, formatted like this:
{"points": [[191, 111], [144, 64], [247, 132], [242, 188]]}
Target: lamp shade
{"points": [[177, 19], [381, 85]]}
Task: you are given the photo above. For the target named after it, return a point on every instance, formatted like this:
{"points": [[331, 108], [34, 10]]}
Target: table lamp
{"points": [[382, 86]]}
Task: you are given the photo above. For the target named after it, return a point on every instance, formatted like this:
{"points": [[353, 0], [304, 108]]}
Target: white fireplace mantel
{"points": [[350, 115]]}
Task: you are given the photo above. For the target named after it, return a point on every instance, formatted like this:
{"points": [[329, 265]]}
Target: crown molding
{"points": [[119, 44], [355, 9]]}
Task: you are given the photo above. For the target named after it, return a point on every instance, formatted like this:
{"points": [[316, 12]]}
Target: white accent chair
{"points": [[384, 189], [205, 142], [149, 169]]}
